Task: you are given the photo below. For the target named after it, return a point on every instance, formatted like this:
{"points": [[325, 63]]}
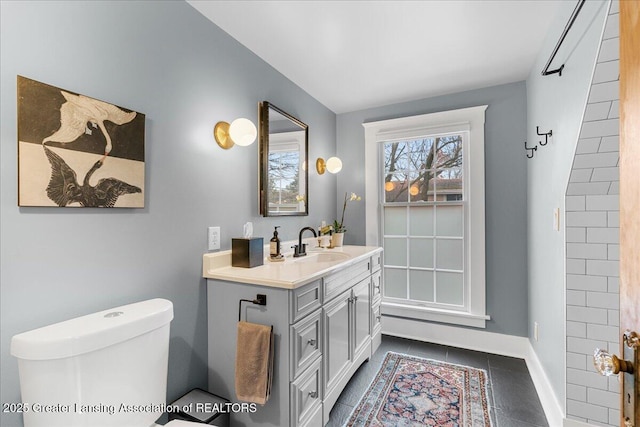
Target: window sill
{"points": [[434, 314]]}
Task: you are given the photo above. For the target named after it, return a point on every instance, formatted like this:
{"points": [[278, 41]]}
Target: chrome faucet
{"points": [[301, 248]]}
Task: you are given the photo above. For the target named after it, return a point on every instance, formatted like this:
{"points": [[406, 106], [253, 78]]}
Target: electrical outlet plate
{"points": [[556, 219], [213, 237]]}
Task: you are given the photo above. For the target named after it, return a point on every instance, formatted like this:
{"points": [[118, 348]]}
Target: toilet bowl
{"points": [[104, 369]]}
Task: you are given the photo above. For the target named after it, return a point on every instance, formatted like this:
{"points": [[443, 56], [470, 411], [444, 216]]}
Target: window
{"points": [[422, 220], [425, 206]]}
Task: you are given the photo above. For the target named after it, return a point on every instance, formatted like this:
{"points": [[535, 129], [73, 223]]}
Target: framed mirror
{"points": [[284, 142]]}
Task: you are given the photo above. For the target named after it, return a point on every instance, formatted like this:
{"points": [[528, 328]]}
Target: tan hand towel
{"points": [[254, 362]]}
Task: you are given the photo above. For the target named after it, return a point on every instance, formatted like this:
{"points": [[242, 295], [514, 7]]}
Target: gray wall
{"points": [[556, 103], [505, 181], [167, 61]]}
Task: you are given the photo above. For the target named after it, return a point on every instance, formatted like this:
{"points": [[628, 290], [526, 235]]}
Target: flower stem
{"points": [[344, 207]]}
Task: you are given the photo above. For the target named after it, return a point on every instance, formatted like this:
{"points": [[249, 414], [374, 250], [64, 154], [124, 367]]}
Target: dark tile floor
{"points": [[512, 396]]}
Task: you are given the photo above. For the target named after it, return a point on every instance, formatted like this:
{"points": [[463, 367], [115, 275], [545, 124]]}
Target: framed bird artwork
{"points": [[77, 151]]}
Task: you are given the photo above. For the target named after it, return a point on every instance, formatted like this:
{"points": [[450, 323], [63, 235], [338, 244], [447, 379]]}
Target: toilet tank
{"points": [[100, 370]]}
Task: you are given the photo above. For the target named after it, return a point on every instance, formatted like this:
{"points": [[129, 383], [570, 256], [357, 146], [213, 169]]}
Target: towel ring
{"points": [[261, 299]]}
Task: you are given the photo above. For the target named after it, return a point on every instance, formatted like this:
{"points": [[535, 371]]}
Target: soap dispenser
{"points": [[274, 245]]}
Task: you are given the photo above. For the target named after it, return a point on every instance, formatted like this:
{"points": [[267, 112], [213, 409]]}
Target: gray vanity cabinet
{"points": [[323, 330]]}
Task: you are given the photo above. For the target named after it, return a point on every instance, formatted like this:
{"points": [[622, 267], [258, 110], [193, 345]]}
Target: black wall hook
{"points": [[532, 150], [546, 136]]}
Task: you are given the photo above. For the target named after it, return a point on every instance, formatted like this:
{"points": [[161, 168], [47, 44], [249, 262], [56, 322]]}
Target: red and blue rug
{"points": [[411, 391]]}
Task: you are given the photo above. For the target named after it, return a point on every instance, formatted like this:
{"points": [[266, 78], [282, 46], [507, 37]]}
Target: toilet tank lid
{"points": [[92, 332]]}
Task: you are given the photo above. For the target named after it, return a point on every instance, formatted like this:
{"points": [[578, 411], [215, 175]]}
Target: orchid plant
{"points": [[338, 227]]}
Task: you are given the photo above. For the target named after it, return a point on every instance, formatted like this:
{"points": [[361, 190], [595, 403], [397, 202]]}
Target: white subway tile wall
{"points": [[609, 143], [606, 71], [592, 233], [597, 111], [586, 219], [581, 175]]}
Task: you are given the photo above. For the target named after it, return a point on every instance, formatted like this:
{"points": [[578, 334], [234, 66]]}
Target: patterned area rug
{"points": [[411, 391]]}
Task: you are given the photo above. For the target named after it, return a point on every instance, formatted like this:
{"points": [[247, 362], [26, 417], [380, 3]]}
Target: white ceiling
{"points": [[352, 55]]}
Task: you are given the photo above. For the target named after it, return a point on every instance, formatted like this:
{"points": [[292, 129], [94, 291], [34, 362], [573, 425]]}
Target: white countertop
{"points": [[291, 273]]}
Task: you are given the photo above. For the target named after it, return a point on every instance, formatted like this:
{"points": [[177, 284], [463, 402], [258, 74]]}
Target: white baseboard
{"points": [[471, 339], [552, 408], [488, 342]]}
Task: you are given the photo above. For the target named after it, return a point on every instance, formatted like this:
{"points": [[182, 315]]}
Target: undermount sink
{"points": [[324, 257]]}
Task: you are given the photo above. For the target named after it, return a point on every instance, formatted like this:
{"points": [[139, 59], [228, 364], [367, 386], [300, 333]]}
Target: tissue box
{"points": [[247, 252]]}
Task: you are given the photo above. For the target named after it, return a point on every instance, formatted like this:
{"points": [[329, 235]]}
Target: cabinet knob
{"points": [[313, 394], [378, 318], [311, 341], [355, 298]]}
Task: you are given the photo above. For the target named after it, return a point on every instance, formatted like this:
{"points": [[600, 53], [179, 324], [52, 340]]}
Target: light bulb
{"points": [[334, 164], [243, 132]]}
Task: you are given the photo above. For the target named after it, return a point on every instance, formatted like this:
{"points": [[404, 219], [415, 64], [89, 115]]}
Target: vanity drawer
{"points": [[304, 300], [306, 395], [376, 262], [343, 279], [376, 288], [306, 343]]}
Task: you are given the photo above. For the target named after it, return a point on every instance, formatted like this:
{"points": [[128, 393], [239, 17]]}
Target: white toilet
{"points": [[101, 370]]}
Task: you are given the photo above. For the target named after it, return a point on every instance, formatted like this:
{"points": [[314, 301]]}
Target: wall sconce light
{"points": [[240, 132], [331, 165]]}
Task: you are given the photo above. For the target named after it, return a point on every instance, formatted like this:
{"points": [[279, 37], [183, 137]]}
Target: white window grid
{"points": [[464, 306]]}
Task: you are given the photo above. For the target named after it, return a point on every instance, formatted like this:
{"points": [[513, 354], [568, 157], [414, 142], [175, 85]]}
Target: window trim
{"points": [[471, 119]]}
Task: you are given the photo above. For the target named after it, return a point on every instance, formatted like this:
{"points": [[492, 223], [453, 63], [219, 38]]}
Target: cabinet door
{"points": [[337, 335], [362, 315]]}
